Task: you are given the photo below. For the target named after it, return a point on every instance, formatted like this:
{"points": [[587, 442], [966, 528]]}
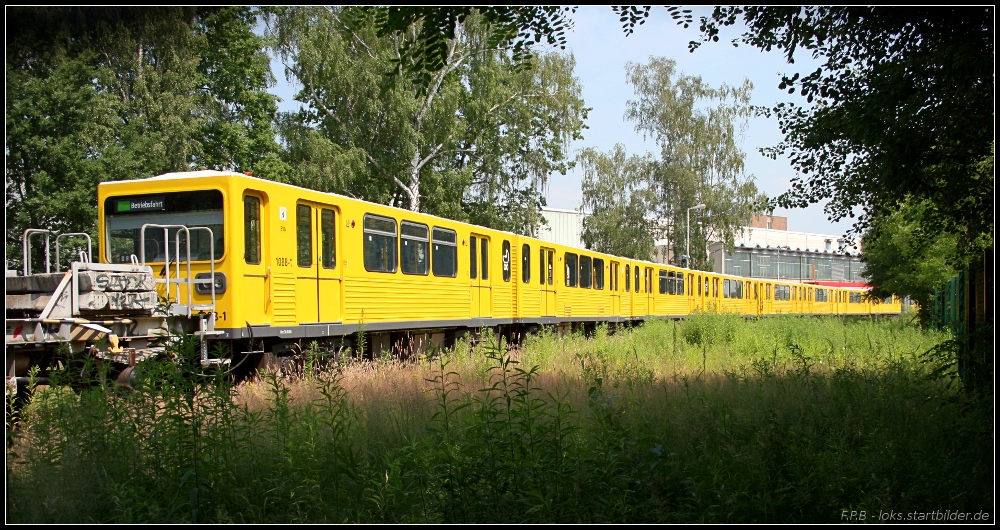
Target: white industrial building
{"points": [[765, 249]]}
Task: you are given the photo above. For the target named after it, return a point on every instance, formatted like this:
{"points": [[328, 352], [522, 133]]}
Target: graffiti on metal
{"points": [[120, 281]]}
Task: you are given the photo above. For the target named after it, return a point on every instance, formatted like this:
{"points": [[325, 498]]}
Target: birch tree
{"points": [[477, 141]]}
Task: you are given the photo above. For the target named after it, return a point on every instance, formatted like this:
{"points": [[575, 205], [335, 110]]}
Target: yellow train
{"points": [[293, 265], [265, 269]]}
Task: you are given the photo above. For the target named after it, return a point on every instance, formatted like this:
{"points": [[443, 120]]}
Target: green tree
{"points": [[902, 109], [477, 142], [698, 129], [617, 195], [432, 29], [906, 255], [97, 94]]}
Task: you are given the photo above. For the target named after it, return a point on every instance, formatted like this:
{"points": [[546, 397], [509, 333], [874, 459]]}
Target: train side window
{"points": [[706, 286], [303, 235], [663, 281], [725, 288], [541, 265], [680, 283], [484, 263], [699, 286], [415, 247], [571, 269], [444, 259], [525, 263], [628, 278], [739, 289], [473, 257], [586, 272], [505, 260], [251, 230], [690, 285], [636, 269], [328, 237], [551, 265], [380, 243], [598, 273]]}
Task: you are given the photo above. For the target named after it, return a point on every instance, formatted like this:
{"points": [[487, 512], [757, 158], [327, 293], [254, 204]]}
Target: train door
{"points": [[699, 293], [768, 297], [755, 304], [254, 295], [328, 273], [616, 295], [691, 290], [716, 304], [479, 275], [638, 295], [306, 281], [317, 279], [648, 287], [626, 299], [547, 289]]}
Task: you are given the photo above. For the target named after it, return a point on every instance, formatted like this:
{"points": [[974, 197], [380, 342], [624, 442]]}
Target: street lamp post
{"points": [[688, 234]]}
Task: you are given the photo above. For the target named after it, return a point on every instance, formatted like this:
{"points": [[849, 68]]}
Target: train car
{"points": [[266, 268]]}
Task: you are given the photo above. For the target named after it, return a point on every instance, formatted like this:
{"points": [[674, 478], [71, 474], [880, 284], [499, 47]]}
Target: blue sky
{"points": [[601, 50]]}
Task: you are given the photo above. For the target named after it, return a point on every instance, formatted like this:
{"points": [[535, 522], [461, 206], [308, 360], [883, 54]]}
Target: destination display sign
{"points": [[145, 204]]}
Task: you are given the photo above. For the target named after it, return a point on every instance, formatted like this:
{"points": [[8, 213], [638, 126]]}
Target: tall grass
{"points": [[713, 419]]}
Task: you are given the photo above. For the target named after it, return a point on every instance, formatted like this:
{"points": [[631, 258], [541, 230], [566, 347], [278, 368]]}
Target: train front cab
{"points": [[161, 204]]}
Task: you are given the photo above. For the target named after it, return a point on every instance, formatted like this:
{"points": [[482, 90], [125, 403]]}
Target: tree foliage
{"points": [[477, 142], [906, 255], [617, 194], [901, 109], [634, 200], [432, 29], [96, 94], [698, 129]]}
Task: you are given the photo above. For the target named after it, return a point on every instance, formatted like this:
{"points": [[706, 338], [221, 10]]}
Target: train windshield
{"points": [[124, 217]]}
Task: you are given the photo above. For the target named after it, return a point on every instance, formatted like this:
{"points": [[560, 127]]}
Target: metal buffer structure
{"points": [[120, 314]]}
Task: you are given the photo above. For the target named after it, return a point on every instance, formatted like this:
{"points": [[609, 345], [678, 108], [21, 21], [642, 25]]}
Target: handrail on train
{"points": [[177, 251], [26, 248], [85, 259]]}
